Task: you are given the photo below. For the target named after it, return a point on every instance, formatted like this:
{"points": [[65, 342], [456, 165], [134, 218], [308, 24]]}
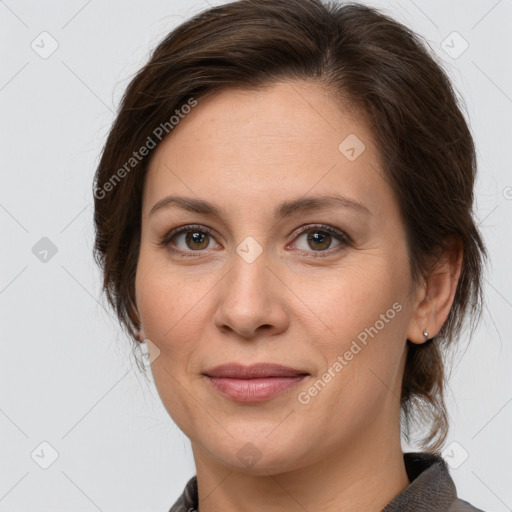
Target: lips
{"points": [[255, 383], [255, 371]]}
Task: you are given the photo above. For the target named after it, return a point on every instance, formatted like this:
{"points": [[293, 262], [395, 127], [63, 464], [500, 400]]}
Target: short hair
{"points": [[361, 57]]}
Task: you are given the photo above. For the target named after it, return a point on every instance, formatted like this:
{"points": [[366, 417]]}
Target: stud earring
{"points": [[425, 334]]}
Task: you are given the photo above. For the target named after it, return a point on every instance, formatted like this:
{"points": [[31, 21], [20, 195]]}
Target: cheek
{"points": [[360, 377], [349, 301], [361, 334], [168, 307], [169, 310]]}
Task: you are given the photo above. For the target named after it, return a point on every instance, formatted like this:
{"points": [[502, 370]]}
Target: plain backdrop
{"points": [[80, 428]]}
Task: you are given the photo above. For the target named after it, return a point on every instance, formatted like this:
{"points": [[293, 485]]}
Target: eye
{"points": [[192, 238], [320, 239]]}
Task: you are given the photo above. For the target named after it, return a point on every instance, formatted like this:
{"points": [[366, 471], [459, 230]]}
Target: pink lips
{"points": [[254, 383]]}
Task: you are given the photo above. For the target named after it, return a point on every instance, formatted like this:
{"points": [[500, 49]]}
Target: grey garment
{"points": [[431, 489]]}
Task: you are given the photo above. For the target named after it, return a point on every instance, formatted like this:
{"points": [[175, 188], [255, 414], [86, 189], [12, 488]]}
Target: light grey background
{"points": [[67, 376]]}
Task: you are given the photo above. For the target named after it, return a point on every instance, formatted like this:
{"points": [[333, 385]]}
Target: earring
{"points": [[425, 334]]}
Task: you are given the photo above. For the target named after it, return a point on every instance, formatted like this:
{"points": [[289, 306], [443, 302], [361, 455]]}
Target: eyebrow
{"points": [[284, 209]]}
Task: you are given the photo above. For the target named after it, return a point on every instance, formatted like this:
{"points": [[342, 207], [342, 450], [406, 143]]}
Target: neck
{"points": [[364, 476]]}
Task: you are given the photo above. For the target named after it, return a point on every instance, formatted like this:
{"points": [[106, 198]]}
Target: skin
{"points": [[246, 151]]}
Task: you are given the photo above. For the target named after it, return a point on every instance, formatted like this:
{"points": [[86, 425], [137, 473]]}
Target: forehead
{"points": [[272, 142], [283, 112]]}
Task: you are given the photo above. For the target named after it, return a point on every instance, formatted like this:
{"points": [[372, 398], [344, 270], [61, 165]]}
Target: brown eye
{"points": [[319, 240], [196, 240], [188, 240]]}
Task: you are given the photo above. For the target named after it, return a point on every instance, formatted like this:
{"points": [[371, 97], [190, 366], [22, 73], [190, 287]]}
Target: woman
{"points": [[283, 214]]}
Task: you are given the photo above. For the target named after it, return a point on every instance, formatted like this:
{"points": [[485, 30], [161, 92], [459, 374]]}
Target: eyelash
{"points": [[337, 234]]}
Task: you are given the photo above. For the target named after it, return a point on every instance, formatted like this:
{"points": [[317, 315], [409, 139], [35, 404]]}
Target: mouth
{"points": [[255, 383]]}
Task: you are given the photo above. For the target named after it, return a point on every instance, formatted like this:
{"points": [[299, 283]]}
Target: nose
{"points": [[250, 300]]}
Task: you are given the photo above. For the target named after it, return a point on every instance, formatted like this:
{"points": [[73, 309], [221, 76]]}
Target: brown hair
{"points": [[426, 148]]}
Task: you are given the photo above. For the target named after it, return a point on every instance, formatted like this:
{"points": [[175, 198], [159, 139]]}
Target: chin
{"points": [[258, 453]]}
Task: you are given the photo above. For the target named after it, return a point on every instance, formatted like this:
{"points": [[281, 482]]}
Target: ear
{"points": [[436, 294]]}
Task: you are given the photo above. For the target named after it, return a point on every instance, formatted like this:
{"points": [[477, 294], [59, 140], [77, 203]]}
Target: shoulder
{"points": [[430, 483]]}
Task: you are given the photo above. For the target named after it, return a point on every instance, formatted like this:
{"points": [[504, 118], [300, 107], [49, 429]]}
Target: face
{"points": [[298, 259]]}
